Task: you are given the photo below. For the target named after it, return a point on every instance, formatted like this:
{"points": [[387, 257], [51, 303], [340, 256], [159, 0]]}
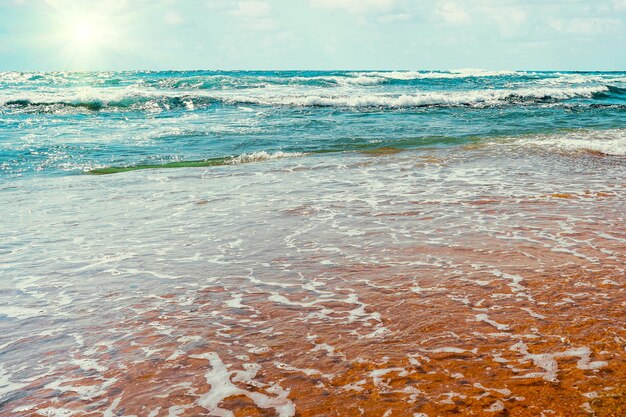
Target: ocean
{"points": [[312, 243]]}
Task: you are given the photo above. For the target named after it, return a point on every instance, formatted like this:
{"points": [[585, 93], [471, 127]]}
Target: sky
{"points": [[41, 35]]}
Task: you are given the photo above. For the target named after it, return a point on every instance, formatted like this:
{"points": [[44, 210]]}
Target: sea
{"points": [[312, 243]]}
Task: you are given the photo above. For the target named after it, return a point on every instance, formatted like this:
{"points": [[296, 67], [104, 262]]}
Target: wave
{"points": [[459, 73], [597, 142], [261, 156], [156, 101], [244, 158], [383, 77], [606, 142], [456, 98], [218, 81], [556, 79], [616, 90], [133, 99], [363, 78]]}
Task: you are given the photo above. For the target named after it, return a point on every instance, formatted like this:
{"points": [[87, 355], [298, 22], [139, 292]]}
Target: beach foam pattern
{"points": [[426, 282]]}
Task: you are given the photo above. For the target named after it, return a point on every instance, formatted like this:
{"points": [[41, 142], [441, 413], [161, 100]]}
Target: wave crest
{"points": [[457, 98], [156, 101], [262, 156]]}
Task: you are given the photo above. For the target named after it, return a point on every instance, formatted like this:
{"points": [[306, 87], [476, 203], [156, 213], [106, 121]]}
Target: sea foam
{"points": [[608, 142], [453, 98]]}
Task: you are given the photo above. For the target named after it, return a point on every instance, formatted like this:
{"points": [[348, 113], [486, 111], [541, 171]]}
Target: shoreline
{"points": [[428, 281]]}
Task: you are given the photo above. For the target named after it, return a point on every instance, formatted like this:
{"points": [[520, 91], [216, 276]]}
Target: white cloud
{"points": [[508, 19], [619, 4], [453, 13], [585, 26], [251, 9], [394, 17], [355, 6], [256, 15], [174, 18]]}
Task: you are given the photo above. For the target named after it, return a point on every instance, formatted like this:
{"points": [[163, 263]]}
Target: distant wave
{"points": [[195, 79], [155, 101], [456, 98], [383, 77], [372, 78], [219, 81], [133, 99], [460, 73], [575, 78]]}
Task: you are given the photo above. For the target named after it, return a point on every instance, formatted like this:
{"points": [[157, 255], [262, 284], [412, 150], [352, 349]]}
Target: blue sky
{"points": [[312, 34]]}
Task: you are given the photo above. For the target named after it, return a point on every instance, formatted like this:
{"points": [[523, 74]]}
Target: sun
{"points": [[86, 38], [88, 32], [84, 33]]}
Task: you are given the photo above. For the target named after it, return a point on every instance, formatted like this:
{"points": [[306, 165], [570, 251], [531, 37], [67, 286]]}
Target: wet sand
{"points": [[424, 283]]}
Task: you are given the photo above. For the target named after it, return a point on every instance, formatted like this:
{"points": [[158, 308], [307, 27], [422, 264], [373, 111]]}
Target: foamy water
{"points": [[371, 243], [426, 282]]}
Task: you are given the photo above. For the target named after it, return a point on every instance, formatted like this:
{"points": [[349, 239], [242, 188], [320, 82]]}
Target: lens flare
{"points": [[86, 38], [88, 32]]}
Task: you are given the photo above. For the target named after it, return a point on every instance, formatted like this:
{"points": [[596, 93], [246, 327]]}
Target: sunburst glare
{"points": [[84, 38]]}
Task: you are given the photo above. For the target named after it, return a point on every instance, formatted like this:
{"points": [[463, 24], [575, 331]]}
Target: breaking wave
{"points": [[155, 101], [457, 98]]}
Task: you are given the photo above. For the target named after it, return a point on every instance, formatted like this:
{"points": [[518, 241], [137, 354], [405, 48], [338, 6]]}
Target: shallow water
{"points": [[482, 277]]}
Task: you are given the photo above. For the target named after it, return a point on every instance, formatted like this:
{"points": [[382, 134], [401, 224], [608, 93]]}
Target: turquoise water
{"points": [[70, 123]]}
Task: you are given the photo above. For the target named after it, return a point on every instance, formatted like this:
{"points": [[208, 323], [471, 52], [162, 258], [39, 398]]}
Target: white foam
{"points": [[501, 391], [219, 377], [262, 156], [532, 313], [6, 386], [150, 351], [610, 237], [354, 386], [379, 332], [154, 412], [175, 355], [177, 410], [450, 350], [89, 364], [582, 79], [281, 299], [514, 284], [609, 142], [235, 302], [484, 97], [350, 79], [420, 75], [378, 374], [56, 412], [290, 368], [86, 392], [547, 361], [110, 411], [486, 319], [495, 407], [20, 313]]}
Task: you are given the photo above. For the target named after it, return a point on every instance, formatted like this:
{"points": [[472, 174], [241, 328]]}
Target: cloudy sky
{"points": [[312, 34]]}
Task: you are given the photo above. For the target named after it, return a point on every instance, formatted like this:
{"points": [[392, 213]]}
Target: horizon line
{"points": [[308, 70]]}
